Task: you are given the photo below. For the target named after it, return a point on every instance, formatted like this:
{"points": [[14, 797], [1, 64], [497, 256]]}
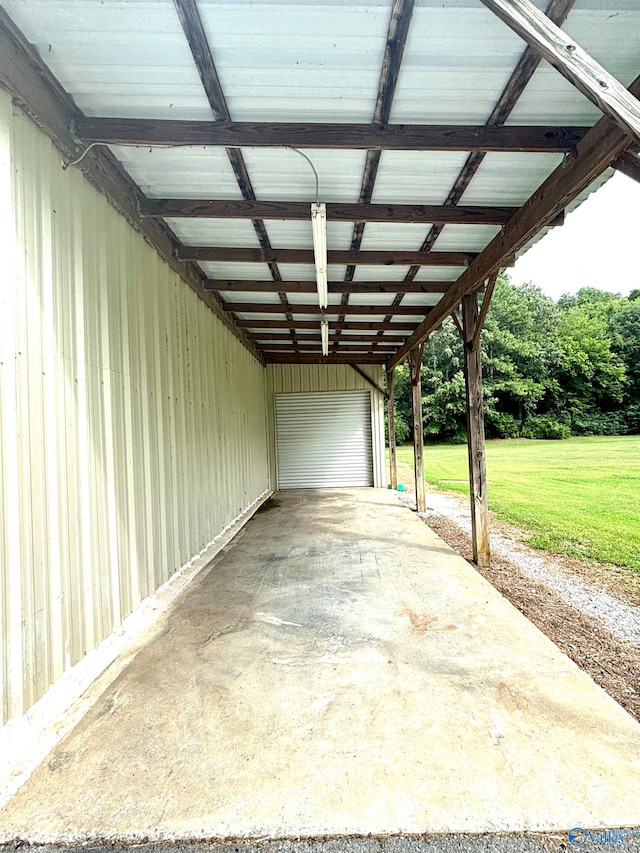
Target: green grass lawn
{"points": [[579, 497]]}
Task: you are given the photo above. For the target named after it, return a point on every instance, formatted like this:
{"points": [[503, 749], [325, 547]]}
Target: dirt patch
{"points": [[419, 621], [271, 503], [612, 663]]}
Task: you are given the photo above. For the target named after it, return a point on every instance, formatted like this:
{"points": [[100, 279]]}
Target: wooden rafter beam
{"points": [[336, 212], [196, 37], [574, 63], [629, 165], [311, 358], [381, 137], [330, 310], [604, 143], [397, 32], [305, 256], [279, 337], [296, 286], [353, 326], [334, 349], [482, 316]]}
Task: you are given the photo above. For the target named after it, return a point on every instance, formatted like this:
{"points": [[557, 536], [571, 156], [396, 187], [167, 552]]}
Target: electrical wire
{"points": [[310, 162]]}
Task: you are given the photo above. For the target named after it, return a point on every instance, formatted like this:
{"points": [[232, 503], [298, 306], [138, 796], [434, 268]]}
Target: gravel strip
{"points": [[620, 619]]}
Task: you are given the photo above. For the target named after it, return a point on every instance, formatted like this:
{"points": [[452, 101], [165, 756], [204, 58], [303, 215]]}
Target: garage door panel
{"points": [[323, 440]]}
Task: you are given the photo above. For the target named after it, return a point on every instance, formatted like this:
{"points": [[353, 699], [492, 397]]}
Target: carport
{"points": [[224, 225]]}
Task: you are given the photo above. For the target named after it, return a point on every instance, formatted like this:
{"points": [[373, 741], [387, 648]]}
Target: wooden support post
{"points": [[475, 432], [393, 462], [415, 363]]}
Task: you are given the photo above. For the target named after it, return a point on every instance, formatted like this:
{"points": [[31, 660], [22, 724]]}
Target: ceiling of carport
{"points": [[318, 62]]}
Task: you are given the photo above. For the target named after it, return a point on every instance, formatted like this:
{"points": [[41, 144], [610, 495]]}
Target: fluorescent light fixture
{"points": [[319, 225], [324, 332]]}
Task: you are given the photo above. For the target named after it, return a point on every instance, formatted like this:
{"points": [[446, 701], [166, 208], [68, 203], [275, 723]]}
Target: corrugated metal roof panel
{"points": [[439, 273], [275, 59], [372, 299], [509, 179], [469, 238], [250, 296], [215, 232], [180, 172], [458, 56], [116, 58], [297, 235], [399, 235], [417, 177], [379, 273], [277, 173], [215, 269]]}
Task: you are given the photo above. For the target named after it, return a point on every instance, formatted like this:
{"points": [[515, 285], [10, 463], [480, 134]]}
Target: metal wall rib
{"points": [[132, 422]]}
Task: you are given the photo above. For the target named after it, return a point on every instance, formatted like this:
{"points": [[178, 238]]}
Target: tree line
{"points": [[550, 369]]}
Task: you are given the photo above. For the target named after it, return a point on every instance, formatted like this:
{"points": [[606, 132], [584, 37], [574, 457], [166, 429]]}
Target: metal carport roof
{"points": [[436, 106]]}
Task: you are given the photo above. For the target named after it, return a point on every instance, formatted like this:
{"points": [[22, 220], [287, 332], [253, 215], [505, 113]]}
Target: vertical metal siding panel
{"points": [[107, 287], [11, 553], [129, 540], [133, 424], [148, 294], [63, 355], [50, 381], [170, 392], [30, 412], [160, 367], [88, 637]]}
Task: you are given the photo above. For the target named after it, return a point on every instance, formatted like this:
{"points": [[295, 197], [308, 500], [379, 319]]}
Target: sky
{"points": [[598, 245]]}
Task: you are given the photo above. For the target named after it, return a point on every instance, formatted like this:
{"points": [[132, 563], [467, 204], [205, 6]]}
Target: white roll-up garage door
{"points": [[324, 440]]}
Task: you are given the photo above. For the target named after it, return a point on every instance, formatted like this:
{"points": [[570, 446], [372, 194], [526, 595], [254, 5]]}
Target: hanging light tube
{"points": [[324, 333], [319, 226]]}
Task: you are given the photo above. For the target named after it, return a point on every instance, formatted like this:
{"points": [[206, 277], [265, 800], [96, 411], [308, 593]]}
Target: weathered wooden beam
{"points": [[192, 27], [311, 349], [346, 340], [391, 424], [35, 90], [629, 165], [574, 63], [604, 143], [305, 256], [274, 308], [475, 433], [354, 325], [241, 285], [415, 364], [397, 32], [194, 32], [486, 302], [399, 137], [366, 378], [310, 358], [457, 322], [336, 212]]}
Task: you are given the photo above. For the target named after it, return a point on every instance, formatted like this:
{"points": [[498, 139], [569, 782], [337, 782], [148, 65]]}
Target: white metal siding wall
{"points": [[303, 378], [132, 422], [324, 439]]}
